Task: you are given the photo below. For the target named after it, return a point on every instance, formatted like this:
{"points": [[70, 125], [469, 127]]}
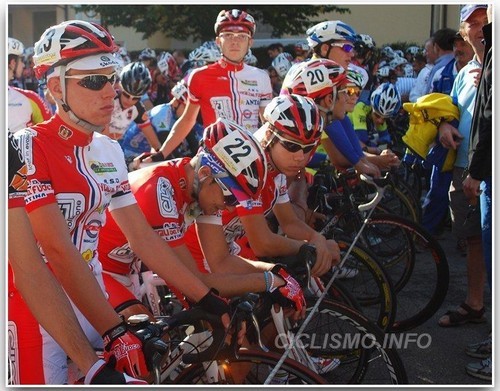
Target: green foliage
{"points": [[197, 21]]}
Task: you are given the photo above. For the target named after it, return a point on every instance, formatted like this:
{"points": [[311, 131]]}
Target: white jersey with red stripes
{"points": [[229, 91]]}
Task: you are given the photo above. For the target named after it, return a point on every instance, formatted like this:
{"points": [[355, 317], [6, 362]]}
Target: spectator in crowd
{"points": [[274, 49], [443, 47], [466, 216], [478, 183], [182, 62], [422, 82]]}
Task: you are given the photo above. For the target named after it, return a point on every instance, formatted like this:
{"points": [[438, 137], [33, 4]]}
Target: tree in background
{"points": [[197, 21]]}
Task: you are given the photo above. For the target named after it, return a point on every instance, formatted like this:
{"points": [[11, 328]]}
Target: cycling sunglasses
{"points": [[94, 82], [346, 47], [293, 146], [128, 96], [229, 198], [352, 91]]}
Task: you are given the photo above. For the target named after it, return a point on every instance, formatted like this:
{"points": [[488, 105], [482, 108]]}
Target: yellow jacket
{"points": [[425, 116]]}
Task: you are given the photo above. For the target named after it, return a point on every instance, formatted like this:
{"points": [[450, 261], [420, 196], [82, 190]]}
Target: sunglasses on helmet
{"points": [[293, 146], [94, 82], [346, 47]]}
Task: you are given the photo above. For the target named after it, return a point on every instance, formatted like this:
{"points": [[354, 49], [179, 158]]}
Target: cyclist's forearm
{"points": [[43, 293]]}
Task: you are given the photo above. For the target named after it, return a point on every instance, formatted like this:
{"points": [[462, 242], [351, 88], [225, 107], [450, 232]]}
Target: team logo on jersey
{"points": [[64, 132], [71, 206], [129, 114], [13, 376], [165, 196], [249, 82], [182, 183], [101, 168], [88, 255]]}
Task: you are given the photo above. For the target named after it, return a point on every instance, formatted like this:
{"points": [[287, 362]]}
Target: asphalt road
{"points": [[439, 358]]}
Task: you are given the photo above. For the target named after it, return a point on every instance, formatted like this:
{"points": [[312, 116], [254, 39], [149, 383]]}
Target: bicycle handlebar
{"points": [[380, 184]]}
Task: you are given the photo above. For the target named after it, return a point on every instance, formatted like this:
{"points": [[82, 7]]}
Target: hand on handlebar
{"points": [[327, 255], [103, 373], [290, 294], [123, 351]]}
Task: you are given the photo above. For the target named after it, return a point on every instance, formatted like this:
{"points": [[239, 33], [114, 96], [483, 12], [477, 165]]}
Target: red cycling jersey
{"points": [[274, 192], [162, 195], [84, 174], [228, 91]]}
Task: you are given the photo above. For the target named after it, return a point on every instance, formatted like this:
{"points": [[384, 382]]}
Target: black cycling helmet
{"points": [[135, 78]]}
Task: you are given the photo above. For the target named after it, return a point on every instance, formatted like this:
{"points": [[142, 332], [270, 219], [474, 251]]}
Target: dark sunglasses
{"points": [[94, 82], [293, 146], [128, 96], [346, 47], [229, 198]]}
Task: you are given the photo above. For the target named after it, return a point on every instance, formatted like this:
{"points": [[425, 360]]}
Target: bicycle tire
{"points": [[371, 287], [359, 362], [261, 364], [421, 259]]}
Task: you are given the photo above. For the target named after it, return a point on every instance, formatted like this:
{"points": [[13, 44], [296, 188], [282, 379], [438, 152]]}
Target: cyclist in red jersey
{"points": [[289, 137], [227, 89], [25, 107], [37, 288], [74, 174], [229, 171]]}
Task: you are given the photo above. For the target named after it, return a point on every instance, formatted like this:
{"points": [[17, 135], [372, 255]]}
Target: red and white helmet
{"points": [[236, 158], [314, 78], [69, 40], [168, 66], [295, 116], [235, 20], [180, 91]]}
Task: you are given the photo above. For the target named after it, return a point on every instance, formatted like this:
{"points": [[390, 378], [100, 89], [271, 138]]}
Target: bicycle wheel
{"points": [[368, 284], [257, 365], [413, 259], [338, 332]]}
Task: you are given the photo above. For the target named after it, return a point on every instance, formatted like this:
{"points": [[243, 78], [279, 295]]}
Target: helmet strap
{"points": [[72, 116]]}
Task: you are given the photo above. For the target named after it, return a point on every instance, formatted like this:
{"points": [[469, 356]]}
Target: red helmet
{"points": [[69, 40], [168, 66], [295, 116], [234, 18], [315, 78], [236, 159]]}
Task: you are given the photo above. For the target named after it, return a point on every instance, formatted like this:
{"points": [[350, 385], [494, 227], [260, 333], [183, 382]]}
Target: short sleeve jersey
{"points": [[121, 118], [232, 92], [274, 192], [84, 174], [26, 108], [161, 194]]}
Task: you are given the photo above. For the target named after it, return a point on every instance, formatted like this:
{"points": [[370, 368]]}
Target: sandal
{"points": [[457, 318]]}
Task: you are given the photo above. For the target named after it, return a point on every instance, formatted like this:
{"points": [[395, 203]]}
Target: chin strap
{"points": [[328, 114], [72, 116]]}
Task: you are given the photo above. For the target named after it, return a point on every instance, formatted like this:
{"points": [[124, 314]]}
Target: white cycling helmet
{"points": [[357, 75], [397, 61], [250, 59], [385, 100], [387, 52], [16, 47], [205, 55], [147, 54], [408, 70], [413, 50], [383, 71], [399, 53], [282, 64], [332, 30], [366, 40]]}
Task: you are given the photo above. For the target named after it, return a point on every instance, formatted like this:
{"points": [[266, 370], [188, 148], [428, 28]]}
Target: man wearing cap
{"points": [[227, 89], [466, 214], [479, 183], [73, 175]]}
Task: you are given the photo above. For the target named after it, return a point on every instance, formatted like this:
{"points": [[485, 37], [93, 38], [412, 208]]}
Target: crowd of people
{"points": [[228, 145]]}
